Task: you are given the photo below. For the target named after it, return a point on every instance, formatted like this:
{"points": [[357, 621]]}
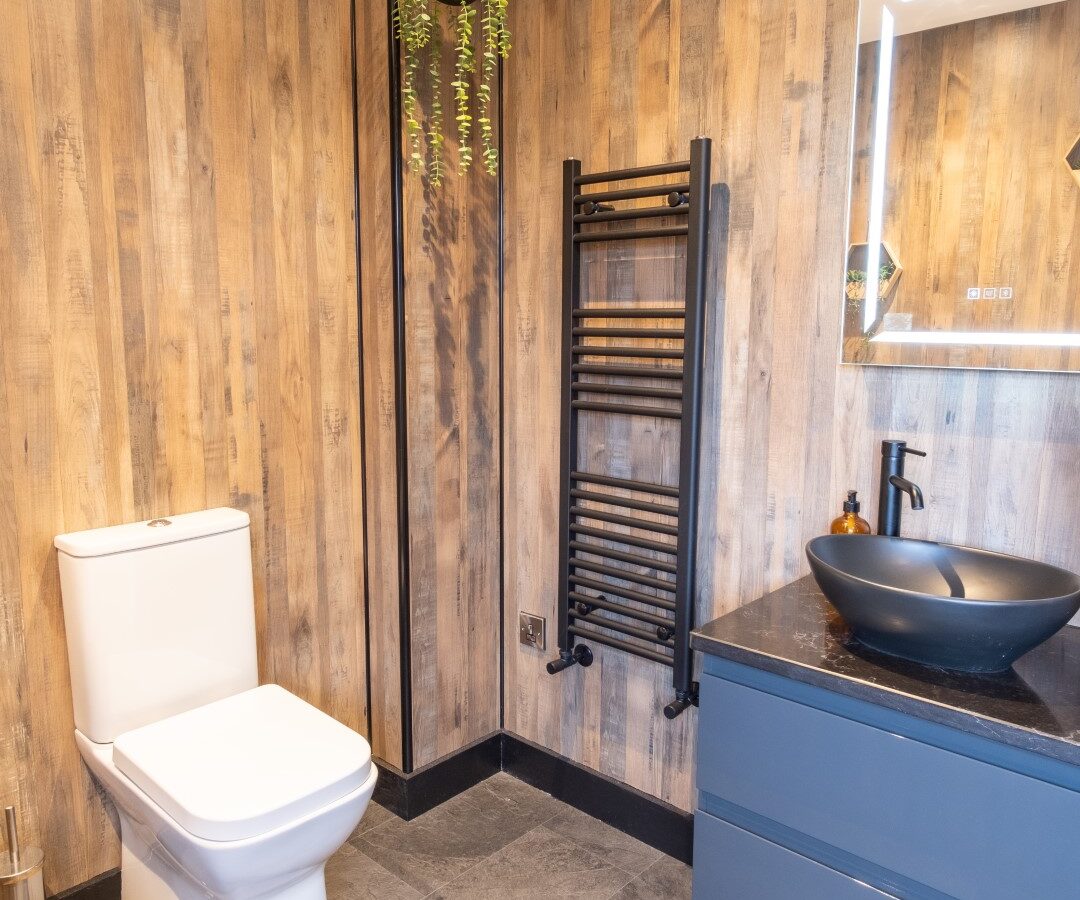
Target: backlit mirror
{"points": [[964, 234]]}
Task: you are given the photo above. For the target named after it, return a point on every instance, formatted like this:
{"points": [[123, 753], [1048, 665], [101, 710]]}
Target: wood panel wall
{"points": [[978, 193], [374, 165], [451, 362], [787, 429], [451, 256], [178, 330]]}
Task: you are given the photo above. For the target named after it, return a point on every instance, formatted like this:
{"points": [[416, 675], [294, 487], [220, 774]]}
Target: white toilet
{"points": [[223, 788]]}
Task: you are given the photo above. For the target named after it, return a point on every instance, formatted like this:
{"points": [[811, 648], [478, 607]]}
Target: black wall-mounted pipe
{"points": [[400, 399], [697, 259]]}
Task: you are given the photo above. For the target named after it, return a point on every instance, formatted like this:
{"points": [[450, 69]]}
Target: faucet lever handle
{"points": [[914, 452]]}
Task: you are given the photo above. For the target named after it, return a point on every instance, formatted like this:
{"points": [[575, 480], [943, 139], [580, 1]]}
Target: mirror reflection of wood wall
{"points": [[978, 191]]}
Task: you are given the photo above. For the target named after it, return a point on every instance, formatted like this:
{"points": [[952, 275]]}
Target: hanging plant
{"points": [[419, 31]]}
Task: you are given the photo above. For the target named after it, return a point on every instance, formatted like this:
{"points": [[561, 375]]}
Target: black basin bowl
{"points": [[942, 605]]}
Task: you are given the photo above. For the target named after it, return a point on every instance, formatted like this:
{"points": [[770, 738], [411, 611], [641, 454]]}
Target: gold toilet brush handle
{"points": [[12, 836]]}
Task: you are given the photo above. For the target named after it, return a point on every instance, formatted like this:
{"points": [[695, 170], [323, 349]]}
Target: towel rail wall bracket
{"points": [[589, 565]]}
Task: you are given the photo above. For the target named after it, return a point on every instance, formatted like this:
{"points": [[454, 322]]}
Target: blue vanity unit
{"points": [[828, 771]]}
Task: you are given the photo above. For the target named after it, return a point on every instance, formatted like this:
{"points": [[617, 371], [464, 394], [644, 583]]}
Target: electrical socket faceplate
{"points": [[532, 630]]}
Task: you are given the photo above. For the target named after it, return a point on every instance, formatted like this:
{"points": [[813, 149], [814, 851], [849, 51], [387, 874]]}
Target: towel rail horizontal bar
{"points": [[630, 234], [670, 373], [635, 193], [650, 333], [641, 352], [660, 584], [630, 312], [631, 612], [627, 409], [614, 625], [585, 512], [625, 390], [624, 215], [673, 168], [620, 537], [643, 487], [664, 509], [606, 553], [633, 649], [627, 593]]}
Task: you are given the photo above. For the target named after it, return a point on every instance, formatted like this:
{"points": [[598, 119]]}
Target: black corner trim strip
{"points": [[400, 396], [501, 254], [360, 353]]}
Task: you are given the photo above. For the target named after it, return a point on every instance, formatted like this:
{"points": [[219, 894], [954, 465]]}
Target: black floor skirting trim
{"points": [[409, 796], [640, 815], [651, 821], [105, 886]]}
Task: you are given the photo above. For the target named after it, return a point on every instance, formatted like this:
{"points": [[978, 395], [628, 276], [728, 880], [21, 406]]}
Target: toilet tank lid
{"points": [[151, 533]]}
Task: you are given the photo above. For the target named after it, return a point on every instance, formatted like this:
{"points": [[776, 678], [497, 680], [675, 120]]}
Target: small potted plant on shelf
{"points": [[856, 282]]}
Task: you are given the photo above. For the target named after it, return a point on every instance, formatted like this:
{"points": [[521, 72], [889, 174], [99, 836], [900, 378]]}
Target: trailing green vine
{"points": [[413, 23], [464, 65], [436, 165], [496, 45], [419, 30]]}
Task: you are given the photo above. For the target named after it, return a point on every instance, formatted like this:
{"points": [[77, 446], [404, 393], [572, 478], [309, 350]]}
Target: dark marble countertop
{"points": [[794, 632]]}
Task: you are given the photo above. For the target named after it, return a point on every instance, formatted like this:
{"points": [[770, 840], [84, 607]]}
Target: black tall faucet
{"points": [[894, 485]]}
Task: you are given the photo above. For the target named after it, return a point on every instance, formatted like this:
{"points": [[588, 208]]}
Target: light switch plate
{"points": [[532, 630]]}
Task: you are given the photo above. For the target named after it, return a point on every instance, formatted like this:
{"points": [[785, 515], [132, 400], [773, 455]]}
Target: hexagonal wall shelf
{"points": [[1072, 159], [856, 262]]}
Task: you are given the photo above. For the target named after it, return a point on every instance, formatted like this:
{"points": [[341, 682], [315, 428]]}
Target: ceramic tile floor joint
{"points": [[493, 841]]}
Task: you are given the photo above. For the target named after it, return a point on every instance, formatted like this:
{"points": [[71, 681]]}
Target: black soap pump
{"points": [[850, 522]]}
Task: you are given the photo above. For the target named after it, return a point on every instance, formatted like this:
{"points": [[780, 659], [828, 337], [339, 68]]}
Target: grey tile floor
{"points": [[500, 839]]}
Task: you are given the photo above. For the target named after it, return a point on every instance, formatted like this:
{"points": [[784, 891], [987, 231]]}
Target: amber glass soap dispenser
{"points": [[850, 522]]}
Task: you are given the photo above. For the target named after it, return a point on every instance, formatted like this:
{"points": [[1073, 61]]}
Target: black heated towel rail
{"points": [[653, 616]]}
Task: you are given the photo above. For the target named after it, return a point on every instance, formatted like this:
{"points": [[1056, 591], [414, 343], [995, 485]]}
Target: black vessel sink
{"points": [[939, 604]]}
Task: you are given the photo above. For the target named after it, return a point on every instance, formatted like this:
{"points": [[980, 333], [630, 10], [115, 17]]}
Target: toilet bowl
{"points": [[160, 860], [224, 788]]}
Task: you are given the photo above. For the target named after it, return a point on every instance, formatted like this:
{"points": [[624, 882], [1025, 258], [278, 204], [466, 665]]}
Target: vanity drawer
{"points": [[731, 862], [957, 825]]}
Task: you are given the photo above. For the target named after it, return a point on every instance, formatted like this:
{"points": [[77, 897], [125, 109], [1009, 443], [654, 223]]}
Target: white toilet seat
{"points": [[165, 861], [244, 765]]}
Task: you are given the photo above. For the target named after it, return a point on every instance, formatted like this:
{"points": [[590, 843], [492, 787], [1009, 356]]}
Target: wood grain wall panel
{"points": [[452, 372], [977, 190], [179, 330], [787, 430], [380, 405]]}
